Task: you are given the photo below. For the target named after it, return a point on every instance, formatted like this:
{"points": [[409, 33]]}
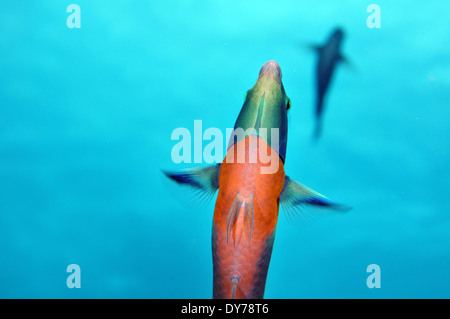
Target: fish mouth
{"points": [[271, 69]]}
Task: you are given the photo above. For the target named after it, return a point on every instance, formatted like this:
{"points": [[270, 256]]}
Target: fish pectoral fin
{"points": [[346, 61], [295, 196], [204, 179], [313, 47]]}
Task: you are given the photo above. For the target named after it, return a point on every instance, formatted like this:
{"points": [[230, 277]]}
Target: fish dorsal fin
{"points": [[261, 106], [235, 281], [233, 216], [248, 217], [235, 228]]}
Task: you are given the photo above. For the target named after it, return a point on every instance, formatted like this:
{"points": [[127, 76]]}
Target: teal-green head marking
{"points": [[266, 106]]}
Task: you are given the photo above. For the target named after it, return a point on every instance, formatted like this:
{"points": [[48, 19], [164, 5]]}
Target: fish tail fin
{"points": [[317, 130], [318, 115]]}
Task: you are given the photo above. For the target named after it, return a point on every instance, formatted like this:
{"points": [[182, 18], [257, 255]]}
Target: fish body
{"points": [[252, 183], [329, 56], [245, 219], [247, 205]]}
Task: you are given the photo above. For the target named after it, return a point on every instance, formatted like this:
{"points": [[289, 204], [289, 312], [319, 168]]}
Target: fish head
{"points": [[338, 35], [265, 109], [271, 69]]}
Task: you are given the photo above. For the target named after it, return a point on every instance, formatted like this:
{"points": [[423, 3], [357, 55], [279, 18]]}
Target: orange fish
{"points": [[252, 184]]}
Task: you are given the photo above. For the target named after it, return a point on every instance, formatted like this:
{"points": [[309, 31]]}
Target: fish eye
{"points": [[288, 105]]}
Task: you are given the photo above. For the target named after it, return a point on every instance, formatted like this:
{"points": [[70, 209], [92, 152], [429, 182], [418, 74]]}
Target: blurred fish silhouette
{"points": [[250, 191], [329, 56]]}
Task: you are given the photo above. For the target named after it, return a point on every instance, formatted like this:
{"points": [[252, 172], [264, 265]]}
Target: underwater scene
{"points": [[121, 168]]}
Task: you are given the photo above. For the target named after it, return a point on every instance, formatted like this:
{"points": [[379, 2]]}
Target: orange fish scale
{"points": [[243, 261]]}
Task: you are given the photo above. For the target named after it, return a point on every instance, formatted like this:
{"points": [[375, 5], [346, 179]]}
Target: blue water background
{"points": [[86, 121]]}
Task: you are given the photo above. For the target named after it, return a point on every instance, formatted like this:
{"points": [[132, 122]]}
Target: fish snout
{"points": [[271, 68], [338, 34]]}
